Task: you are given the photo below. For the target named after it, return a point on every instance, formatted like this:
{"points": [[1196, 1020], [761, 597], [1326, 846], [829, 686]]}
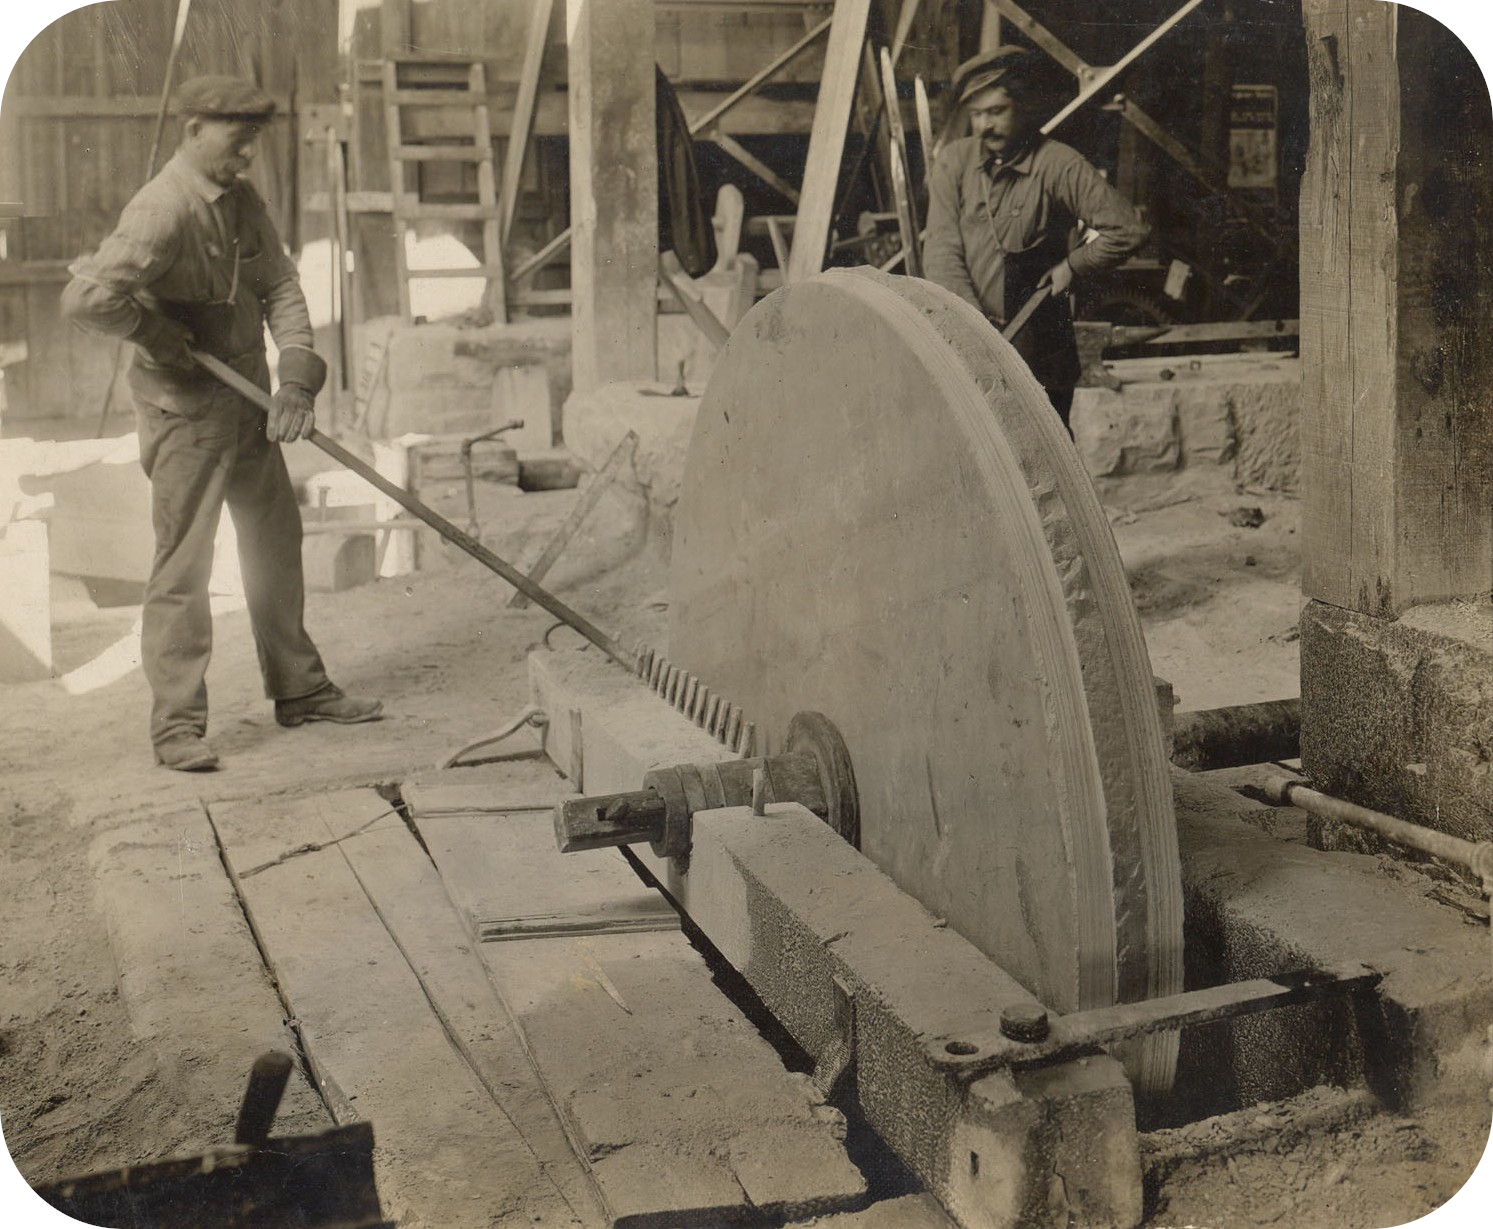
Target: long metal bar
{"points": [[1098, 82], [747, 87], [539, 596], [905, 17], [1476, 855]]}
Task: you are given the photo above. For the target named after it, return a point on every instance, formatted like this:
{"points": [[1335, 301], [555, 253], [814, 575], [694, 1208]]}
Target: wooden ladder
{"points": [[435, 83]]}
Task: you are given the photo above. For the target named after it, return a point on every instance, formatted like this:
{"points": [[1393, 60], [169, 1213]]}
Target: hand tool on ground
{"points": [[256, 1115], [539, 596], [473, 527]]}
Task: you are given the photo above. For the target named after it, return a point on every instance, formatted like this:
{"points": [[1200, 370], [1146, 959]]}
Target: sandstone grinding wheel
{"points": [[882, 519]]}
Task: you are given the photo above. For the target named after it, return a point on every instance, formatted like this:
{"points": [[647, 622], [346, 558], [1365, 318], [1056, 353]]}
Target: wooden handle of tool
{"points": [[1018, 322], [267, 1079], [539, 596]]}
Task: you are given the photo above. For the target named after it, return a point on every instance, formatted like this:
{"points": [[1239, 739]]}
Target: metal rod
{"points": [[539, 596], [1476, 855]]}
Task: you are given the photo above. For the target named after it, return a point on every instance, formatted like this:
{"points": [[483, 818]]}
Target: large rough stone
{"points": [[1232, 414], [445, 379], [1133, 431], [1258, 906], [595, 422], [1397, 715], [1266, 417]]}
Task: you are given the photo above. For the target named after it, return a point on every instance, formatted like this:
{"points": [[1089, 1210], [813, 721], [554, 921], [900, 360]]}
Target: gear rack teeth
{"points": [[702, 706], [656, 673], [712, 715]]}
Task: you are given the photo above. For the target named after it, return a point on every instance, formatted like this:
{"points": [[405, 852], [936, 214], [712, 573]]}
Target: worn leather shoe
{"points": [[329, 704], [186, 752]]}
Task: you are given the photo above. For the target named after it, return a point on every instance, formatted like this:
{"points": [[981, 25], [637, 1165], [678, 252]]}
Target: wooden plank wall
{"points": [[79, 112]]}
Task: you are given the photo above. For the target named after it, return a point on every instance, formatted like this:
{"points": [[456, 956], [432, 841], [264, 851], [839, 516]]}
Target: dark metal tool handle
{"points": [[267, 1080], [539, 596]]}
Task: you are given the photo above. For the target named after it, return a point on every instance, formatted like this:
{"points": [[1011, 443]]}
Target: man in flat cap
{"points": [[1004, 212], [195, 263]]}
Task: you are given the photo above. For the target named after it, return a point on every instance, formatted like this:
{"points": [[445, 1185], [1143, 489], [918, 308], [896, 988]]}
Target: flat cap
{"points": [[991, 68], [227, 98]]}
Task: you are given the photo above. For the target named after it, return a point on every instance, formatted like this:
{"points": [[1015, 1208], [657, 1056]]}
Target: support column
{"points": [[613, 191], [1395, 311], [1397, 417]]}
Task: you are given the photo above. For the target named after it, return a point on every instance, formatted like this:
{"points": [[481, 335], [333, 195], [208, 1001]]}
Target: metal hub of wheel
{"points": [[883, 521]]}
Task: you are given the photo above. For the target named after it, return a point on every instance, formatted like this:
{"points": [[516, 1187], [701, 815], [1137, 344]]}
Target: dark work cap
{"points": [[991, 68], [224, 98]]}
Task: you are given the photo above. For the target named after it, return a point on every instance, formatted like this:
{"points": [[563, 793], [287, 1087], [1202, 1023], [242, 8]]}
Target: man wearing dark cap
{"points": [[1007, 211], [195, 263]]}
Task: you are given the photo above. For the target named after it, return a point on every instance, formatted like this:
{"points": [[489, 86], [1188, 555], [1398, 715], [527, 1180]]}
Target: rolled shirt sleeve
{"points": [[1119, 229], [104, 295]]}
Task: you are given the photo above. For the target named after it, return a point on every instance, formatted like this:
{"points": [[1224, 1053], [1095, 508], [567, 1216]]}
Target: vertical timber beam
{"points": [[613, 191], [842, 62], [1396, 390]]}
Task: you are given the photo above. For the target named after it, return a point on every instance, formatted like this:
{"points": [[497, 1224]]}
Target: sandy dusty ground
{"points": [[1219, 603]]}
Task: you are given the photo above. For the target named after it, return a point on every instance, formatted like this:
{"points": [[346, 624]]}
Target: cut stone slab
{"points": [[482, 852], [682, 1111], [188, 963], [1257, 906], [1397, 715]]}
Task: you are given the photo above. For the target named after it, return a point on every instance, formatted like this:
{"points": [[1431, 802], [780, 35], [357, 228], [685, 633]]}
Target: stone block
{"points": [[1266, 417], [1206, 424], [333, 562], [447, 379], [1133, 431], [1256, 906], [596, 421], [1397, 715], [26, 611]]}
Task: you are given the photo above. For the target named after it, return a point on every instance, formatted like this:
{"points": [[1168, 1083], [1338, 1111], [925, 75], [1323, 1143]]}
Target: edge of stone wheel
{"points": [[1106, 647]]}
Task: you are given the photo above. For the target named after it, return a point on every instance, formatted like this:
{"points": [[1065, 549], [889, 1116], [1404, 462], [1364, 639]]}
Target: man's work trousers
{"points": [[195, 465]]}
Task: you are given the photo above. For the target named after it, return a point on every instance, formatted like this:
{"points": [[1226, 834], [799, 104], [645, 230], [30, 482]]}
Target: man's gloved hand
{"points": [[167, 341], [302, 374], [294, 415], [1059, 277]]}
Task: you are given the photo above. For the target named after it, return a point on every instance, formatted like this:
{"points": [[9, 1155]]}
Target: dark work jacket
{"points": [[995, 228]]}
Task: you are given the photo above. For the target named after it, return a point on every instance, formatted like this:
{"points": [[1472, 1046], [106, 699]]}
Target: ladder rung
{"points": [[469, 211], [442, 153], [476, 271], [443, 96]]}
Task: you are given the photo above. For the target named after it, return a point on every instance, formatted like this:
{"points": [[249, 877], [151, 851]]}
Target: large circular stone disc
{"points": [[882, 519]]}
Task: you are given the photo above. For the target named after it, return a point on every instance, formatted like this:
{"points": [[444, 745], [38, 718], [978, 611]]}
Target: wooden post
{"points": [[613, 191], [1397, 390], [842, 62]]}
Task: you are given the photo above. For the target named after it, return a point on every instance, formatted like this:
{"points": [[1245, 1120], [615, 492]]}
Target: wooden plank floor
{"points": [[449, 1153], [683, 1112]]}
